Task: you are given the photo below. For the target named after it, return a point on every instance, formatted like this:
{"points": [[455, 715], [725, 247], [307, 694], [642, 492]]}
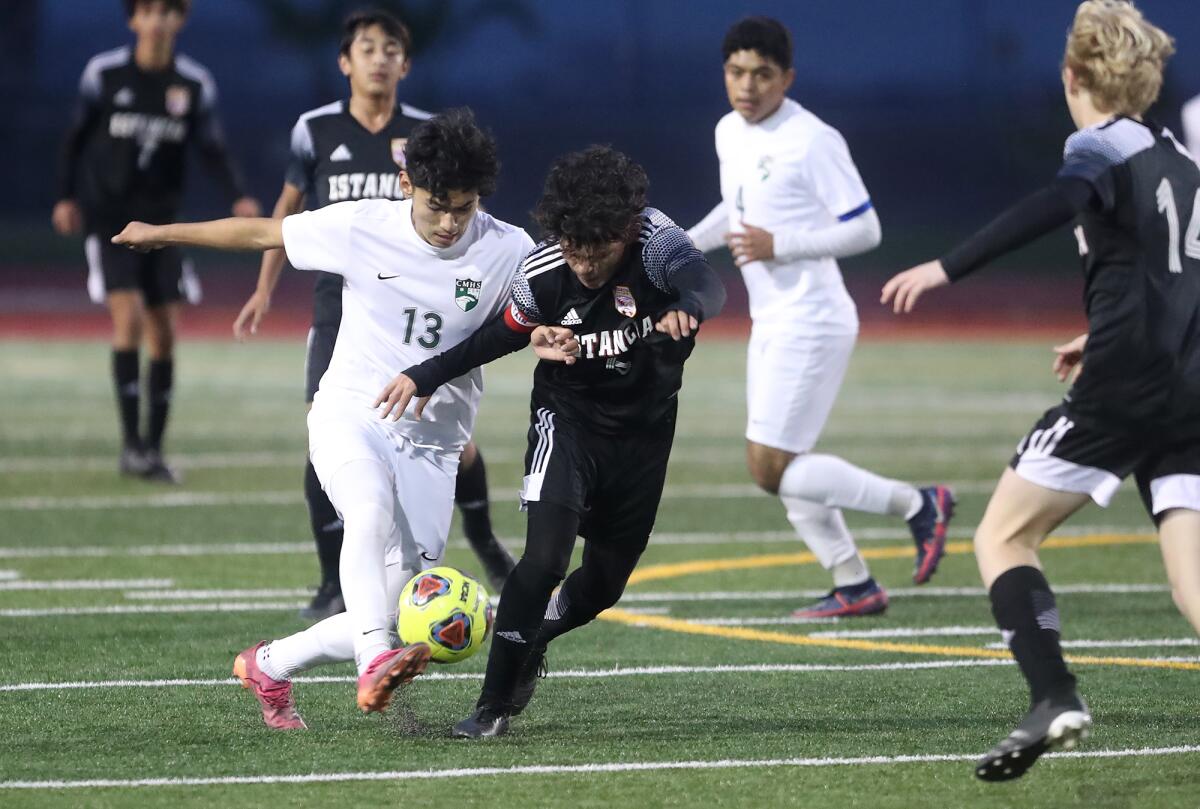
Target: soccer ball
{"points": [[446, 609]]}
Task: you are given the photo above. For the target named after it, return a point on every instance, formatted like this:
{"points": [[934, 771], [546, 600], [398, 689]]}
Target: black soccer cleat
{"points": [[157, 469], [326, 603], [1049, 724], [535, 669], [133, 462], [929, 527], [485, 723]]}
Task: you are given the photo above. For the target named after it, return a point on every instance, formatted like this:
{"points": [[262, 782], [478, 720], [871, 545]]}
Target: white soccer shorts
{"points": [[344, 429], [792, 381]]}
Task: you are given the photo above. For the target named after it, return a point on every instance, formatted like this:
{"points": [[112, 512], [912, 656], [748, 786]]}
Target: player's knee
{"points": [[539, 575], [765, 473], [367, 519]]}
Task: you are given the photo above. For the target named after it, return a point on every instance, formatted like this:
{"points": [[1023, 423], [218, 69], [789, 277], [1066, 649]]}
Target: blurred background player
{"points": [[405, 263], [792, 203], [631, 290], [1191, 127], [1134, 408], [124, 158], [354, 149]]}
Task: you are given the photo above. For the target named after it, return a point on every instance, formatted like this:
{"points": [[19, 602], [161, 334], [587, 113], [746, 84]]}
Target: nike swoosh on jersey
{"points": [[383, 277], [427, 557]]}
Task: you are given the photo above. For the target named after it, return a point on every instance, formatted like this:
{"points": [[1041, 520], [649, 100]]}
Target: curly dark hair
{"points": [[592, 197], [451, 153]]}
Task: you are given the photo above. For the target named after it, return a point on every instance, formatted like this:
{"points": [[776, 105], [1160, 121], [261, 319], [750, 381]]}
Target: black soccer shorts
{"points": [[162, 276], [1064, 456], [614, 483]]}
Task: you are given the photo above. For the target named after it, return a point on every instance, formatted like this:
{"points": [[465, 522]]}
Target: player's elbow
{"points": [[872, 231]]}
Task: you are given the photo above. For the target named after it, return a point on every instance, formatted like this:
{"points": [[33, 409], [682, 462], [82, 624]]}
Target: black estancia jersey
{"points": [[335, 159], [124, 156], [1140, 243], [628, 375]]}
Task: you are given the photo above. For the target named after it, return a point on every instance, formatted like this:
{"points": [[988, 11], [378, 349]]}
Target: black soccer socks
{"points": [[471, 497], [160, 382], [1024, 608], [126, 385]]}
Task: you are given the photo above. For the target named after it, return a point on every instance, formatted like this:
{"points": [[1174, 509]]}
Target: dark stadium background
{"points": [[952, 108]]}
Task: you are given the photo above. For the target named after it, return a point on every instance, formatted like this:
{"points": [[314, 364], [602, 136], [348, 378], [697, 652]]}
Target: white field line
{"points": [[1126, 643], [900, 592], [664, 538], [573, 769], [200, 595], [679, 491], [83, 584], [691, 455], [9, 575], [568, 674], [910, 632], [152, 609], [628, 598]]}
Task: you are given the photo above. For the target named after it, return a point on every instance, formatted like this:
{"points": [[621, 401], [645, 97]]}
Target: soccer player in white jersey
{"points": [[1191, 126], [792, 203], [421, 274]]}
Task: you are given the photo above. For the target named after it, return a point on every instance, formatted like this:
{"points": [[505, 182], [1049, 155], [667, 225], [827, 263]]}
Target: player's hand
{"points": [[140, 236], [554, 343], [677, 323], [905, 288], [396, 396], [1068, 359], [252, 313], [247, 207], [67, 218], [753, 244]]}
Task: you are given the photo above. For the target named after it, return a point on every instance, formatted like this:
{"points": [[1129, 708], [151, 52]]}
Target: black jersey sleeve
{"points": [[491, 341], [83, 121], [210, 142], [1034, 216], [674, 264]]}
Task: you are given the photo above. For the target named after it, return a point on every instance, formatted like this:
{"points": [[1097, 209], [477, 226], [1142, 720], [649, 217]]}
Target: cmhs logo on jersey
{"points": [[179, 100], [624, 301], [398, 145], [466, 293]]}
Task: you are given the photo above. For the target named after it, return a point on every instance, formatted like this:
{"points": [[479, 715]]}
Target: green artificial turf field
{"points": [[122, 604]]}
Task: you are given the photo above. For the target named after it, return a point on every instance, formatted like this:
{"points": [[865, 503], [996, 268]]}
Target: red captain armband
{"points": [[517, 321]]}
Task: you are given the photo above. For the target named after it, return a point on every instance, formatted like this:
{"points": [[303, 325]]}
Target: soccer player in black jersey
{"points": [[1134, 406], [347, 150], [612, 298], [124, 158]]}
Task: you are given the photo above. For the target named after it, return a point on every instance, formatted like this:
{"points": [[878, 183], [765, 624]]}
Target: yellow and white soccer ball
{"points": [[448, 610]]}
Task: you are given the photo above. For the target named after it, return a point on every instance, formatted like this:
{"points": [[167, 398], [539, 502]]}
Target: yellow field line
{"points": [[743, 633], [676, 570]]}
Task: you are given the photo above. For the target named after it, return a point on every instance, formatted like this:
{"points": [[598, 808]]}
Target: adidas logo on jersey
{"points": [[123, 98], [572, 318], [341, 153]]}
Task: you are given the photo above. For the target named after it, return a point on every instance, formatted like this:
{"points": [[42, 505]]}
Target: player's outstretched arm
{"points": [[238, 233], [1029, 219], [491, 341], [291, 200]]}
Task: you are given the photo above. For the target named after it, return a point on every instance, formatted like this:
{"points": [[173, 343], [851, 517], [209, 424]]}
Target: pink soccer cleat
{"points": [[278, 706], [387, 672]]}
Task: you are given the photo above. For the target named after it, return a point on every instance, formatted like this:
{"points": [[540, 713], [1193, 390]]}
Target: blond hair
{"points": [[1117, 55]]}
